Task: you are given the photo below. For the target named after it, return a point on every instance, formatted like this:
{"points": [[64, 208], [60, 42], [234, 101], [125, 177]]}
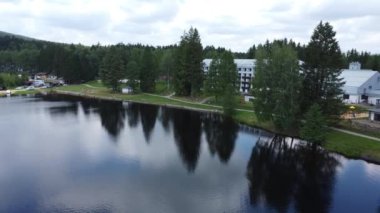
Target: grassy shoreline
{"points": [[345, 144]]}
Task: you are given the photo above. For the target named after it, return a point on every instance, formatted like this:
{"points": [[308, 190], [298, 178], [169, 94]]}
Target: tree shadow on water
{"points": [[148, 116], [221, 133], [281, 172], [112, 117]]}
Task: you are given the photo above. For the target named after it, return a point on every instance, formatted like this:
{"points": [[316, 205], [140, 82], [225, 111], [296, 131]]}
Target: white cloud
{"points": [[235, 24]]}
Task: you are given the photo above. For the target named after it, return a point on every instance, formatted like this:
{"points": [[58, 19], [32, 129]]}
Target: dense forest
{"points": [[77, 63]]}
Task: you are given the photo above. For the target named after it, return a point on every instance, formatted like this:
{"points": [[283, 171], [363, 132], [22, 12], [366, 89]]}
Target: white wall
{"points": [[354, 99], [373, 100], [371, 116], [247, 98]]}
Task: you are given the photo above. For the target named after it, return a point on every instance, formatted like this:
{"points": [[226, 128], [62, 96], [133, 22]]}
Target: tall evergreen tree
{"points": [[133, 74], [321, 70], [112, 69], [148, 74], [277, 85], [188, 78]]}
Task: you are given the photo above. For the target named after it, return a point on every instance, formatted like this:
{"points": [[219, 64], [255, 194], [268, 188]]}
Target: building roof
{"points": [[245, 62], [356, 78], [238, 62]]}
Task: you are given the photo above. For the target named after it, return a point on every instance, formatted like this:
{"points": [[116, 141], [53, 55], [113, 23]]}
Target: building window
{"points": [[345, 96], [378, 79], [245, 69], [239, 69], [370, 87]]}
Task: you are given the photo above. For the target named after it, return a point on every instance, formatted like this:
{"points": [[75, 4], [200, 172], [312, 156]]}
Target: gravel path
{"points": [[356, 134]]}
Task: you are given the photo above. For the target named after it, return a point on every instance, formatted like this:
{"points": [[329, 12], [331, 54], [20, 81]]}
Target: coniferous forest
{"points": [[78, 63]]}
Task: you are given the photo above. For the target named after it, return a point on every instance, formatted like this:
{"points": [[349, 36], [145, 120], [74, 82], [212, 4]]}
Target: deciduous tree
{"points": [[276, 86]]}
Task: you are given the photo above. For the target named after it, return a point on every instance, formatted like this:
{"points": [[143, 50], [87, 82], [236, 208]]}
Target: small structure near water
{"points": [[127, 90]]}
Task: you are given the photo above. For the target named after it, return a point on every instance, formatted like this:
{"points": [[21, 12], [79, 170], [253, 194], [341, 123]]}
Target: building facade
{"points": [[245, 69], [361, 86]]}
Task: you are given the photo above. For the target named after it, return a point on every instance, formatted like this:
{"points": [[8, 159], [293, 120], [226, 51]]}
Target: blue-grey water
{"points": [[71, 155]]}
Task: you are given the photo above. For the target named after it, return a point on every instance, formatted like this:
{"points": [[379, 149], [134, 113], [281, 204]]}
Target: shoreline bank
{"points": [[350, 146]]}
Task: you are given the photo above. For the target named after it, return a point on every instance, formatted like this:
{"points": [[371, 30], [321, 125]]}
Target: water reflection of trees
{"points": [[71, 109], [165, 118], [187, 125], [148, 115], [187, 134], [112, 116], [132, 114], [281, 172], [221, 134]]}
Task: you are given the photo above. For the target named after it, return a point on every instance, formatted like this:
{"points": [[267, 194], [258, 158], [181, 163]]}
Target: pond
{"points": [[60, 154]]}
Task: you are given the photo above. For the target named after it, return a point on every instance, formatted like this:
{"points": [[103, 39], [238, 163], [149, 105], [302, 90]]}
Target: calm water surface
{"points": [[87, 156]]}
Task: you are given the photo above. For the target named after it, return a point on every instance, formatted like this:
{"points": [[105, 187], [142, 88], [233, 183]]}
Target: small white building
{"points": [[245, 68], [361, 86], [127, 90]]}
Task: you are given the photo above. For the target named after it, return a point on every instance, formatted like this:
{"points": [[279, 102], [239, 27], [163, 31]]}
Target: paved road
{"points": [[356, 134]]}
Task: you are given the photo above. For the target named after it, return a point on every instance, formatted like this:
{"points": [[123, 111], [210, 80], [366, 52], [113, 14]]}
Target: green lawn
{"points": [[103, 92], [239, 99], [345, 124], [353, 146], [25, 92], [95, 83]]}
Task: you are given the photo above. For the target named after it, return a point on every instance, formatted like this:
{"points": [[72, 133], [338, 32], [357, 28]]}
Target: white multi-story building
{"points": [[360, 85], [245, 68]]}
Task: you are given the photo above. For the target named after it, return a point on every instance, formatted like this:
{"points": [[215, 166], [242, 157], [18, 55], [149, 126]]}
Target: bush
{"points": [[8, 80], [315, 126]]}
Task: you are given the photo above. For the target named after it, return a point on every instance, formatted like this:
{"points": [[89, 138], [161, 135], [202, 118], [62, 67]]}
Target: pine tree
{"points": [[188, 78], [112, 69], [321, 70], [148, 74], [315, 127], [133, 74]]}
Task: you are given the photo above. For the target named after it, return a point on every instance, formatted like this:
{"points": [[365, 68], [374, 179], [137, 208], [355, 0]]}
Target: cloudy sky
{"points": [[236, 24]]}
